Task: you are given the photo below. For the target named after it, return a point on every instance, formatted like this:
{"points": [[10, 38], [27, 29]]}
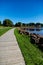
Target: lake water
{"points": [[36, 31]]}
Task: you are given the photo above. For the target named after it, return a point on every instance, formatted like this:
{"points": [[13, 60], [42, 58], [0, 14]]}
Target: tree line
{"points": [[29, 24], [8, 22]]}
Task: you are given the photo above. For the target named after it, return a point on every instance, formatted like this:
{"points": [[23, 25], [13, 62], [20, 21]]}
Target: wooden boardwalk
{"points": [[10, 53]]}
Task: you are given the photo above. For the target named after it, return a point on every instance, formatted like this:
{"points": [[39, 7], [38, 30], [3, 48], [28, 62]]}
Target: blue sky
{"points": [[22, 10]]}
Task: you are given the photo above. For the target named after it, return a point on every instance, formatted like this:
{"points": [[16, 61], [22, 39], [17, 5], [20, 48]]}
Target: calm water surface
{"points": [[37, 31]]}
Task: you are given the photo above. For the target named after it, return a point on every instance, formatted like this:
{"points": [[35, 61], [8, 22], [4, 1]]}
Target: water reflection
{"points": [[36, 30]]}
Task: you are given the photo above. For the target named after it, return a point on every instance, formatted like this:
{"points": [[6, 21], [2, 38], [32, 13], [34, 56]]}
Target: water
{"points": [[36, 31]]}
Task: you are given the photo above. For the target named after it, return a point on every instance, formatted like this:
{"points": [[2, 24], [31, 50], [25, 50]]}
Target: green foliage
{"points": [[7, 22], [31, 24], [41, 25], [23, 24], [32, 55], [38, 24], [18, 24], [0, 22]]}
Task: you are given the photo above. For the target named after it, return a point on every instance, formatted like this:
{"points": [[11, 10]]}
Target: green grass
{"points": [[32, 55], [4, 29]]}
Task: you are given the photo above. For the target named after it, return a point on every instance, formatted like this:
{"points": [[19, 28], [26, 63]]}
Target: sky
{"points": [[25, 11]]}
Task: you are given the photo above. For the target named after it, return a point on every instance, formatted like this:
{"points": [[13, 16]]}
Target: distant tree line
{"points": [[29, 24], [8, 22]]}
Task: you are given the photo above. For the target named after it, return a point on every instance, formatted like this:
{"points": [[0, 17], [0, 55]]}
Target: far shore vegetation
{"points": [[19, 24], [8, 22]]}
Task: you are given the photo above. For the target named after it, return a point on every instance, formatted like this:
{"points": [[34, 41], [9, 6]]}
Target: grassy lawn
{"points": [[32, 55], [4, 29]]}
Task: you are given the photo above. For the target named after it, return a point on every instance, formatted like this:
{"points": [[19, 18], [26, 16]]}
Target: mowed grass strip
{"points": [[32, 55], [4, 29]]}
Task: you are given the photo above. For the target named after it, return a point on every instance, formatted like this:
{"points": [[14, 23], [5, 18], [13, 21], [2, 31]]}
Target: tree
{"points": [[18, 24], [41, 24], [38, 24], [7, 22], [0, 22], [23, 24], [31, 24]]}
